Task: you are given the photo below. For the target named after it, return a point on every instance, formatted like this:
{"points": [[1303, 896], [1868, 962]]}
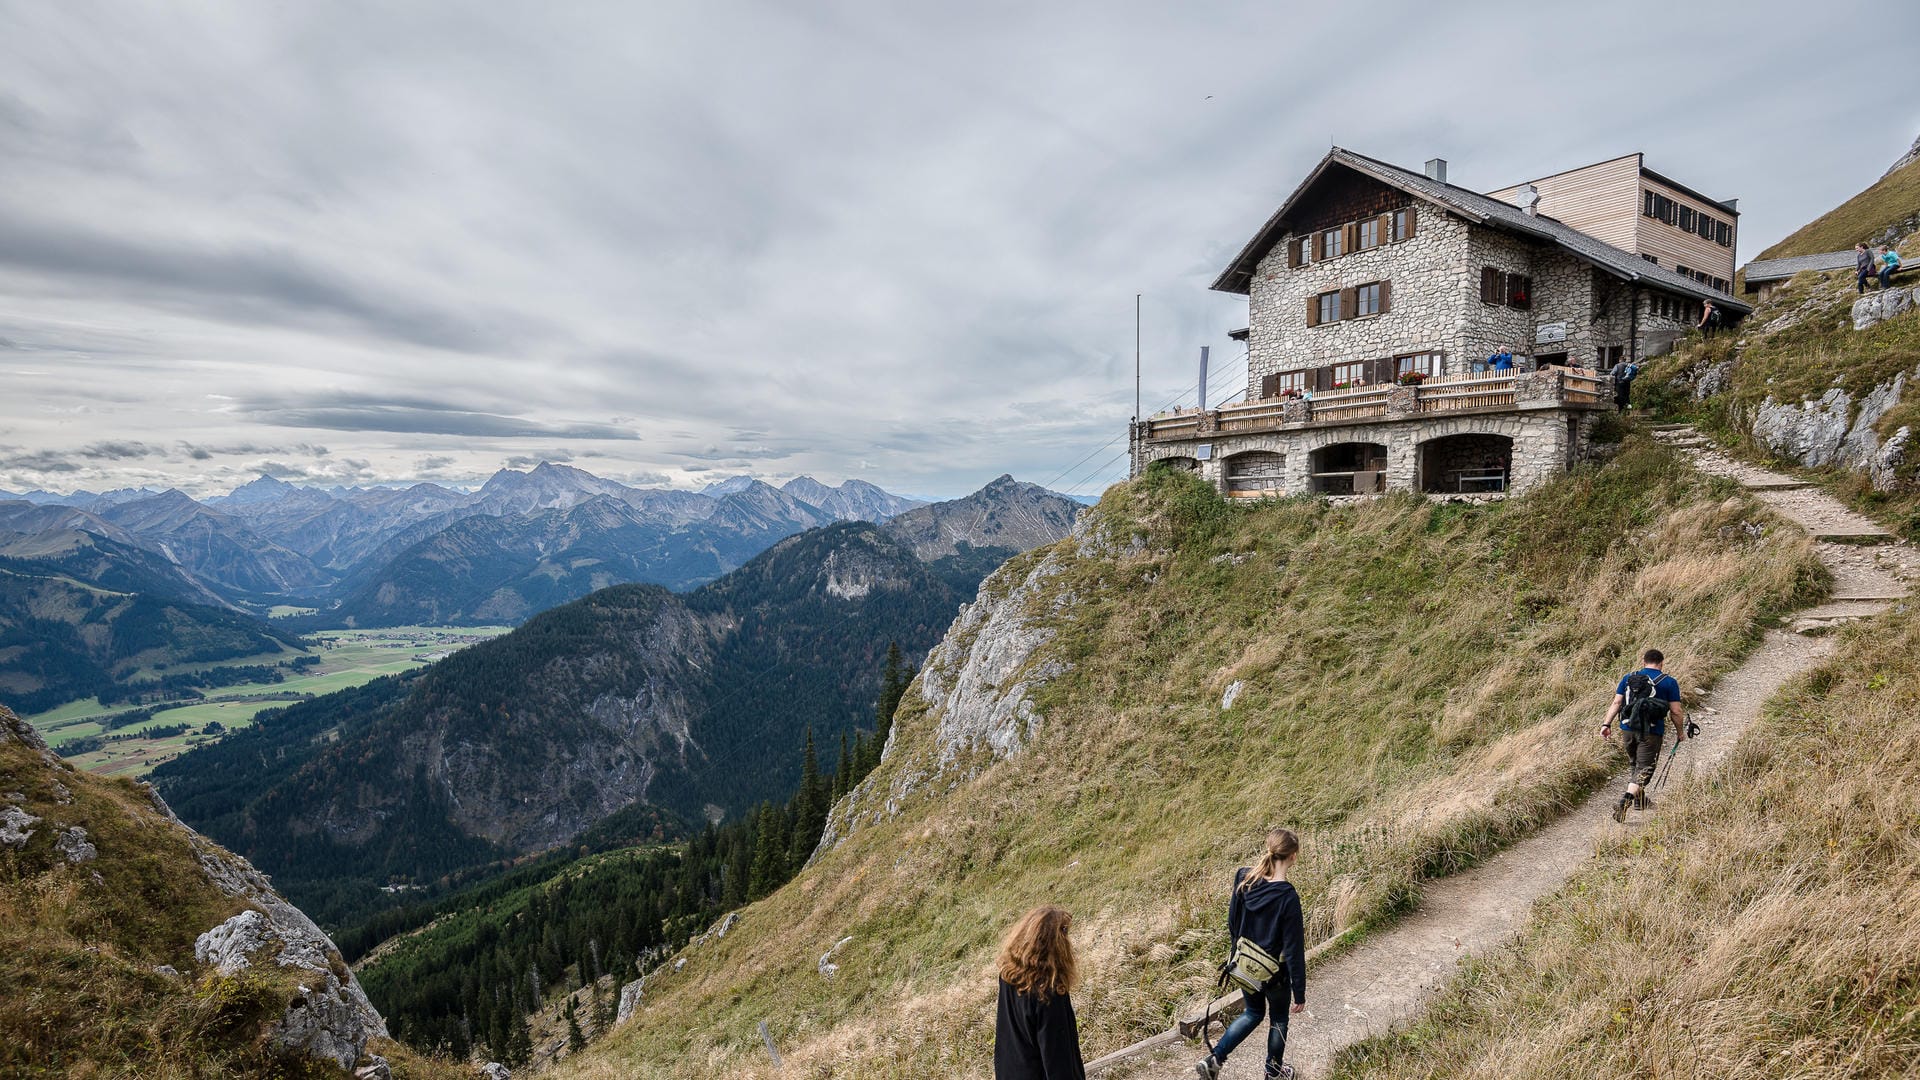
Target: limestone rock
{"points": [[378, 1069], [74, 845], [630, 996], [1889, 463], [493, 1070], [1912, 155], [1879, 306], [16, 826], [827, 967], [1715, 379], [1862, 443], [229, 946], [1233, 694], [168, 970], [1809, 432], [978, 678]]}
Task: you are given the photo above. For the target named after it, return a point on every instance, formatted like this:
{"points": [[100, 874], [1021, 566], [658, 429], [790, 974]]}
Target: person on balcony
{"points": [[1501, 360]]}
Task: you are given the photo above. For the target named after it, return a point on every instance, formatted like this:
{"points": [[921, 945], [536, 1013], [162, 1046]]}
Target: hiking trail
{"points": [[1389, 976]]}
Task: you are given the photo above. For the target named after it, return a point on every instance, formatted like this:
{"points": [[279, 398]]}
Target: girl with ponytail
{"points": [[1264, 913]]}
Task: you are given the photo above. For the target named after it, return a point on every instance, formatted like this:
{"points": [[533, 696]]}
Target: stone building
{"points": [[1375, 295]]}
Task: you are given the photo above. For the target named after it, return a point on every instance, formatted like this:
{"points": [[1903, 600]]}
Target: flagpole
{"points": [[1136, 356]]}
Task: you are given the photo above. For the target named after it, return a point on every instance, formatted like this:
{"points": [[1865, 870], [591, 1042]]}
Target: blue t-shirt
{"points": [[1665, 687], [1891, 259]]}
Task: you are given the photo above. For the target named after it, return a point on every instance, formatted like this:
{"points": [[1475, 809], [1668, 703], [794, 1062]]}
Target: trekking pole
{"points": [[1666, 769]]}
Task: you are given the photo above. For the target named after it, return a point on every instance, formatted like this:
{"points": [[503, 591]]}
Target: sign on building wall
{"points": [[1551, 333]]}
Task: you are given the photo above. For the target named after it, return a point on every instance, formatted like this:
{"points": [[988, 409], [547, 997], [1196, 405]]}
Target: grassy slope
{"points": [[1420, 685], [78, 994], [1762, 924], [1888, 200]]}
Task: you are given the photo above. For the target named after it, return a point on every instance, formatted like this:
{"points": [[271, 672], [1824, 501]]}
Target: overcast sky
{"points": [[664, 241]]}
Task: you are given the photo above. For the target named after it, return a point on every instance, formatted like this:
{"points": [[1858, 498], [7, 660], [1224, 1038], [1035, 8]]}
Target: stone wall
{"points": [[1429, 279], [1545, 442]]}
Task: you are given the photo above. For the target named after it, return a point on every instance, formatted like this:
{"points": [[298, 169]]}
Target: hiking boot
{"points": [[1642, 802], [1285, 1073], [1208, 1068], [1620, 808]]}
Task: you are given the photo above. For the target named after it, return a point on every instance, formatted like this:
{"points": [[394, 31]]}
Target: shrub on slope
{"points": [[1762, 925], [1419, 684]]}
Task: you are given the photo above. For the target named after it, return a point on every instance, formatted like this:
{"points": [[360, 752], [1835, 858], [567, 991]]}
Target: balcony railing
{"points": [[1547, 388]]}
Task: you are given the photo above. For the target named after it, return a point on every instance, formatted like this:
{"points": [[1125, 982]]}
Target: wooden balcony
{"points": [[1550, 388]]}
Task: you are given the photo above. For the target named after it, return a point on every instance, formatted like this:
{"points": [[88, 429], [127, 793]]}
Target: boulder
{"points": [[493, 1070], [1879, 306], [1232, 695], [230, 946], [16, 826], [376, 1069], [74, 845]]}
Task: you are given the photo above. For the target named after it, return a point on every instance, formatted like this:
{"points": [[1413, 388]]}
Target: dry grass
{"points": [[1421, 683], [1761, 926]]}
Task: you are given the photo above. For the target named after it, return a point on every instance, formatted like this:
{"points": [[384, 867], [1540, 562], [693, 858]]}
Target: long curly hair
{"points": [[1037, 958]]}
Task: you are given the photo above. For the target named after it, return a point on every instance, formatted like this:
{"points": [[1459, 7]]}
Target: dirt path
{"points": [[1388, 977]]}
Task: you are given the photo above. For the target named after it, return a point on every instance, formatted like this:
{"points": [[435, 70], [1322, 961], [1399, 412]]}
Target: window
{"points": [[1331, 241], [1299, 251], [1519, 291], [1426, 363], [1610, 355], [1351, 374], [1686, 219], [1329, 306], [1723, 234], [1367, 300], [1290, 382], [1492, 285], [1402, 224], [1654, 259], [1367, 235]]}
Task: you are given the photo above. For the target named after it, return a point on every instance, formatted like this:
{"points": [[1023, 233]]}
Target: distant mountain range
{"points": [[694, 702], [269, 541], [523, 542]]}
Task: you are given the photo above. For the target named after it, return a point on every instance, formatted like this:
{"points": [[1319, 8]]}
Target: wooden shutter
{"points": [[1349, 302], [1350, 236], [1490, 285], [1319, 245], [1385, 233], [1381, 371], [1269, 385], [1386, 297], [1410, 218], [1313, 311], [1322, 379], [1293, 254]]}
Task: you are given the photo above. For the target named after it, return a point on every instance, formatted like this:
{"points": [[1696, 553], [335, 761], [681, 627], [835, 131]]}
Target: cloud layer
{"points": [[678, 238]]}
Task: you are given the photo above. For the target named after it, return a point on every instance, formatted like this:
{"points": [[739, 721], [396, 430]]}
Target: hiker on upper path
{"points": [[1643, 702], [1889, 262], [1709, 318], [1269, 946], [1863, 264], [1623, 374], [1035, 1035]]}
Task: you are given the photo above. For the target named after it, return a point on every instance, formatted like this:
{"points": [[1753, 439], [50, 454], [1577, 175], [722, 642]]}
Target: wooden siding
{"points": [[1676, 248], [1601, 200]]}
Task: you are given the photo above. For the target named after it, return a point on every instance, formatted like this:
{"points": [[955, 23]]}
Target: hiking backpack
{"points": [[1643, 710]]}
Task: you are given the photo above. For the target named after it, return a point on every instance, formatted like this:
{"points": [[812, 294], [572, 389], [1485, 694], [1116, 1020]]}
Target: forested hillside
{"points": [[1124, 713], [697, 705]]}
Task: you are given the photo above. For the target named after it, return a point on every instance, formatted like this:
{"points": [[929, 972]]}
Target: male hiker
{"points": [[1623, 373], [1643, 702]]}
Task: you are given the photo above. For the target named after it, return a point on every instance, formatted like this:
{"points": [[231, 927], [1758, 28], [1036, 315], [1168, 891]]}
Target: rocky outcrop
{"points": [[1889, 470], [978, 681], [630, 996], [332, 1019], [1879, 306], [1006, 514], [16, 826], [1912, 155], [73, 844], [1831, 430]]}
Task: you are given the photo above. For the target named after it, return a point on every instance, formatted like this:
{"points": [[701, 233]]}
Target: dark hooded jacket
{"points": [[1267, 913]]}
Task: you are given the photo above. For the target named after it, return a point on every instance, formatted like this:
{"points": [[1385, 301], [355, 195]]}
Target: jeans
{"points": [[1273, 1001], [1886, 276], [1864, 274]]}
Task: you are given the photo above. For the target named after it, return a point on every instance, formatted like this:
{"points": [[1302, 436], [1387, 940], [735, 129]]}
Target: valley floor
{"points": [[1390, 976]]}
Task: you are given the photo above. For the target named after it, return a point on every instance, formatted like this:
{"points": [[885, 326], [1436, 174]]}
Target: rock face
{"points": [[73, 844], [630, 995], [978, 681], [1832, 430], [1006, 514], [16, 826], [1889, 468], [1912, 155], [1875, 307], [332, 1019]]}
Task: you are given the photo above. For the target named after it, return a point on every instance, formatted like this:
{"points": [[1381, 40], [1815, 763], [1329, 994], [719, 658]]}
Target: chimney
{"points": [[1437, 169], [1528, 199], [1732, 204]]}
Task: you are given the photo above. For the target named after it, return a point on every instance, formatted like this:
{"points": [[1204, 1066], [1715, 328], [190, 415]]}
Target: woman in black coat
{"points": [[1036, 1037], [1266, 911]]}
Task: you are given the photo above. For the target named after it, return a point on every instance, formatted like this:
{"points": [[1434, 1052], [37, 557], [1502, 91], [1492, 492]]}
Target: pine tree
{"points": [[770, 853], [576, 1041], [519, 1048], [809, 808]]}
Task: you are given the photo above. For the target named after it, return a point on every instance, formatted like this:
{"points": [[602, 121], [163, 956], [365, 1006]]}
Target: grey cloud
{"points": [[420, 419], [41, 461], [118, 450], [528, 461], [264, 284], [432, 463]]}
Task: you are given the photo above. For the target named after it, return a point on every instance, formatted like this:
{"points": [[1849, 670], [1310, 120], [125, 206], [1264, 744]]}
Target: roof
{"points": [[1781, 269], [1480, 210], [1640, 163]]}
